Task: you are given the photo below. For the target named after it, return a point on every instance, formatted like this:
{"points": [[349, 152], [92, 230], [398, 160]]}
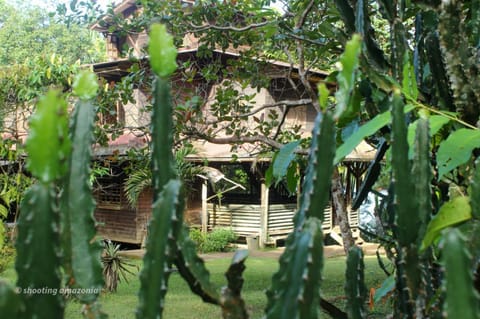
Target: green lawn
{"points": [[182, 304]]}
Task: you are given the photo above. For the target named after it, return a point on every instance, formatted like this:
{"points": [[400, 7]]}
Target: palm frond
{"points": [[139, 180]]}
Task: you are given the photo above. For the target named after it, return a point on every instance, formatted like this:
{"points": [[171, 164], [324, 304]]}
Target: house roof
{"points": [[115, 70], [364, 152]]}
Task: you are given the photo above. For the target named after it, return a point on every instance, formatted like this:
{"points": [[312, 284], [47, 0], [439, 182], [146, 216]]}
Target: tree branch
{"points": [[242, 139], [199, 28], [287, 103]]}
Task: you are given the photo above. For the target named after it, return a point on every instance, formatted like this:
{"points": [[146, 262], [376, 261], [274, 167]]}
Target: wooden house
{"points": [[253, 210]]}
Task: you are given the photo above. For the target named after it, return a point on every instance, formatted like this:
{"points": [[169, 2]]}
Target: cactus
{"points": [[192, 268], [296, 286], [355, 288], [38, 263], [462, 299], [81, 251], [159, 253]]}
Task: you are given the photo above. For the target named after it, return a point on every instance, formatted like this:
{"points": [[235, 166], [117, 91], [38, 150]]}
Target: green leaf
{"points": [[323, 93], [163, 54], [387, 287], [292, 178], [283, 160], [269, 173], [48, 144], [436, 122], [457, 150], [451, 213], [369, 128], [3, 211], [346, 77], [85, 85]]}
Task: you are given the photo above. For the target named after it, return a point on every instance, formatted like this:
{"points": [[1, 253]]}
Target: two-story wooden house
{"points": [[251, 210]]}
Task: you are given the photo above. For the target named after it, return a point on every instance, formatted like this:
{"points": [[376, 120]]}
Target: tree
{"points": [[37, 53], [30, 30]]}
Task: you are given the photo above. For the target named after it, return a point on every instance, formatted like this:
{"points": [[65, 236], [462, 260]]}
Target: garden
{"points": [[402, 75], [181, 303]]}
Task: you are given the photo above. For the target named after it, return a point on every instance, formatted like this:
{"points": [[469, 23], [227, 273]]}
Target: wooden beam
{"points": [[204, 207], [263, 215]]}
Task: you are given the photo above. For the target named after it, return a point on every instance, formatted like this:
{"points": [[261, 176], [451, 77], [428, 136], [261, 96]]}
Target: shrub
{"points": [[7, 255], [197, 236], [218, 240]]}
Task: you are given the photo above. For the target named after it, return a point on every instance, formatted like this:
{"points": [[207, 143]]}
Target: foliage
{"points": [[218, 240], [115, 266], [140, 174], [7, 255], [30, 29]]}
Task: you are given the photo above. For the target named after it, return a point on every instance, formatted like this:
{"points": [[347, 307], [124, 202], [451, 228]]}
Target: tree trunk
{"points": [[340, 207]]}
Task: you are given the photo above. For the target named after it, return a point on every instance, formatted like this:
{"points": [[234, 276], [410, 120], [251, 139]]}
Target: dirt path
{"points": [[329, 251]]}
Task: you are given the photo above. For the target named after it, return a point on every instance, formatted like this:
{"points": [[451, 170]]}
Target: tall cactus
{"points": [[296, 286], [38, 242], [81, 251], [355, 288], [58, 166], [462, 300], [163, 228]]}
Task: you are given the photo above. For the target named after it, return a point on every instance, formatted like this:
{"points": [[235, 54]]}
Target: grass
{"points": [[182, 304]]}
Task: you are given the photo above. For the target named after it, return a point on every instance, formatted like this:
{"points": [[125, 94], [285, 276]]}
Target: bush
{"points": [[215, 241], [197, 236], [7, 255]]}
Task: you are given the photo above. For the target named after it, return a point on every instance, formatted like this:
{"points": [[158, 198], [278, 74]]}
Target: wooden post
{"points": [[263, 215], [204, 207]]}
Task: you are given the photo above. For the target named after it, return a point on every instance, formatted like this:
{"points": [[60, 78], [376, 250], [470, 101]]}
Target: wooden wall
{"points": [[244, 219]]}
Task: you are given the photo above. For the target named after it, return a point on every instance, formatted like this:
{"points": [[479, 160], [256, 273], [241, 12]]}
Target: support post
{"points": [[204, 207], [263, 215]]}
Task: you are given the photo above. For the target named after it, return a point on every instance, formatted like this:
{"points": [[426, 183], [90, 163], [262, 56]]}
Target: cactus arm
{"points": [[159, 254], [355, 288], [295, 289], [38, 261], [407, 216], [285, 297], [163, 56], [233, 306], [319, 170], [475, 193], [79, 206], [192, 268], [421, 171], [461, 62], [162, 136], [462, 300], [10, 302]]}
